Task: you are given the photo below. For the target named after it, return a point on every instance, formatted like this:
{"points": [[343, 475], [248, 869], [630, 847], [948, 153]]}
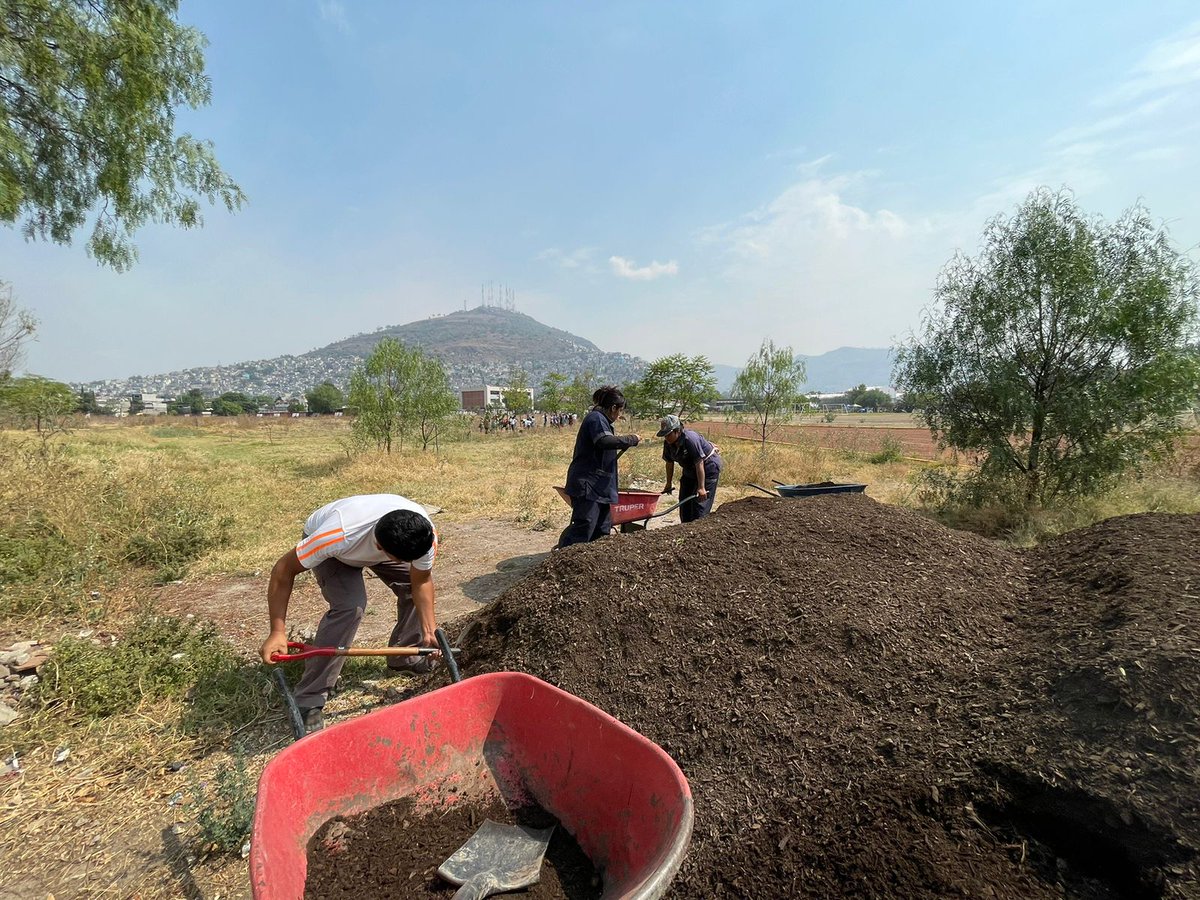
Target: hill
{"points": [[477, 346]]}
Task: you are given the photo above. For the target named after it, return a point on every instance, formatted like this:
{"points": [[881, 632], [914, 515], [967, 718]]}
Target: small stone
{"points": [[4, 672], [7, 714], [28, 681]]}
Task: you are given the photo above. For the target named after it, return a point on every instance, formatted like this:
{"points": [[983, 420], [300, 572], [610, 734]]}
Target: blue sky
{"points": [[656, 177]]}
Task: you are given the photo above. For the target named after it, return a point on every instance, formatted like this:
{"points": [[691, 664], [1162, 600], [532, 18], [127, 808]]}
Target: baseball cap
{"points": [[667, 424]]}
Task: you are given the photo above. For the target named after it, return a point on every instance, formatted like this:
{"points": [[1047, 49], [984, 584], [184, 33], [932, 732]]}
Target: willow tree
{"points": [[399, 390], [1059, 356], [769, 387], [88, 94]]}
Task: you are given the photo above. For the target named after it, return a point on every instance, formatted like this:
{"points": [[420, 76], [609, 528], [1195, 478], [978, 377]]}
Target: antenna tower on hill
{"points": [[497, 296]]}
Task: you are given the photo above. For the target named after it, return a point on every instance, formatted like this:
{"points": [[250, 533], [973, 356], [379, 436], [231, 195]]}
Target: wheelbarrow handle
{"points": [[671, 509], [761, 488], [297, 650]]}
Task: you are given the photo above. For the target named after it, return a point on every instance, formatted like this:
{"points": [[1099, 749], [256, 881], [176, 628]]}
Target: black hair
{"points": [[404, 534], [608, 396]]}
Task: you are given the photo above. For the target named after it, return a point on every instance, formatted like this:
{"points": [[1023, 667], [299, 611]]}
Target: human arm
{"points": [[423, 601], [279, 592], [610, 441], [701, 491], [670, 475]]}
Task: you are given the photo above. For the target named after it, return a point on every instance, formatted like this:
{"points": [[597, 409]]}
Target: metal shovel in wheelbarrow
{"points": [[497, 859]]}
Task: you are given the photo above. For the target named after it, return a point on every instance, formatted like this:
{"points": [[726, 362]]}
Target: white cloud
{"points": [[627, 268], [333, 12], [1172, 62], [819, 266]]}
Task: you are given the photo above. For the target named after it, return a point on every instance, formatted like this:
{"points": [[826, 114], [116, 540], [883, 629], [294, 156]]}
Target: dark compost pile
{"points": [[866, 703], [393, 851]]}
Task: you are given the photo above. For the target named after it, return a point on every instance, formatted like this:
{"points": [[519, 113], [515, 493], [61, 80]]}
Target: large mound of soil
{"points": [[867, 703]]}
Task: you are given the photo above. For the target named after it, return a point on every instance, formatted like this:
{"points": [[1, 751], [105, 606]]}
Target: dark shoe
{"points": [[314, 719]]}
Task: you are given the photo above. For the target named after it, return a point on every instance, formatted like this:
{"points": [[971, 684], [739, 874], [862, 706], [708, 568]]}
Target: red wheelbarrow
{"points": [[621, 796], [633, 509]]}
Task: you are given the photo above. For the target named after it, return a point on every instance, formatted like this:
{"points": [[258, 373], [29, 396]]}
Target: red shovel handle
{"points": [[296, 650]]}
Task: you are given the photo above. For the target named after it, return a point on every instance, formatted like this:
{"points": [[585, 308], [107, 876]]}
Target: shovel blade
{"points": [[504, 857]]}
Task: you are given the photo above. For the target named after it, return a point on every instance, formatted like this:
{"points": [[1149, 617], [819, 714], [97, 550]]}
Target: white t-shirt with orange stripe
{"points": [[345, 530]]}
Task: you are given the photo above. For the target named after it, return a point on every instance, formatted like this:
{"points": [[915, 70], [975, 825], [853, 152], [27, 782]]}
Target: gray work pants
{"points": [[344, 590]]}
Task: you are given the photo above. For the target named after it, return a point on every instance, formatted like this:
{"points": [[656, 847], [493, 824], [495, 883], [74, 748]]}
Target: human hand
{"points": [[430, 640], [668, 490], [276, 643], [702, 493]]}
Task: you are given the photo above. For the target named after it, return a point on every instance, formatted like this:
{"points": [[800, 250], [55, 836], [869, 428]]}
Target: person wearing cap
{"points": [[699, 467], [386, 533], [592, 475]]}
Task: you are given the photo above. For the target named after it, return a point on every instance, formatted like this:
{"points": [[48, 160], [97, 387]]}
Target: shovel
{"points": [[495, 859]]}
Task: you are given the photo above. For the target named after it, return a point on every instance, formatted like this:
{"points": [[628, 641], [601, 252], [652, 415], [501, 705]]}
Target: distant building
{"points": [[152, 404], [487, 396]]}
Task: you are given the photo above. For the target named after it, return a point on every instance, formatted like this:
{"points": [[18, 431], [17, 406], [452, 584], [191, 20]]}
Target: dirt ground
{"points": [[868, 704], [864, 702]]}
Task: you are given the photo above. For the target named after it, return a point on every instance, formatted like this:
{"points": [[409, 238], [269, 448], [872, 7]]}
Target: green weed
{"points": [[890, 451], [160, 657], [225, 808]]}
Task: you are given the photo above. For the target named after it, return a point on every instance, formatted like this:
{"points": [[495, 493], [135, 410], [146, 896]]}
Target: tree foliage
{"points": [[677, 384], [516, 394], [1059, 354], [769, 386], [190, 402], [578, 396], [35, 402], [16, 327], [234, 403], [88, 90], [325, 398], [553, 392], [399, 390]]}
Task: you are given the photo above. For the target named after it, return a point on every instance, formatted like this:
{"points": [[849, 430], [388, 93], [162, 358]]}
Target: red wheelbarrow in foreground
{"points": [[633, 509], [621, 796]]}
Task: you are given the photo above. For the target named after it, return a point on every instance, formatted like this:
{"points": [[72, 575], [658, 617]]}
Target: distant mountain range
{"points": [[833, 372], [477, 346]]}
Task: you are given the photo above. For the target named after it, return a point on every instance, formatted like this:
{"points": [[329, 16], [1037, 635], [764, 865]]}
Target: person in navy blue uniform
{"points": [[592, 475], [699, 467]]}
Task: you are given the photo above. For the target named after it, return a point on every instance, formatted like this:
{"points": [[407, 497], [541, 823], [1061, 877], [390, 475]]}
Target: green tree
{"points": [[579, 392], [296, 406], [553, 392], [190, 402], [136, 405], [234, 403], [1059, 354], [85, 402], [325, 398], [35, 402], [769, 386], [677, 384], [89, 90], [428, 401], [16, 327], [516, 394], [399, 389]]}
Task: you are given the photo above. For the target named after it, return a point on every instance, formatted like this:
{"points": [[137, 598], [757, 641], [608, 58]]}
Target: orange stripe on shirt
{"points": [[308, 541], [307, 553]]}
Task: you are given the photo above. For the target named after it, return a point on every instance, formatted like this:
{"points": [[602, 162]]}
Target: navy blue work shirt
{"points": [[592, 474], [686, 451]]}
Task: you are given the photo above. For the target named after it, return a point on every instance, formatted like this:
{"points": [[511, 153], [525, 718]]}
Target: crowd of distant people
{"points": [[506, 421]]}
